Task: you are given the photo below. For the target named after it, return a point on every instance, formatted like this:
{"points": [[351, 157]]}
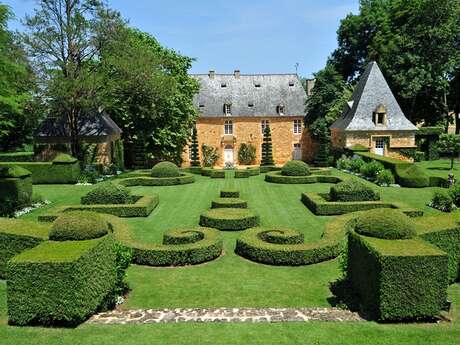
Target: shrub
{"points": [[210, 155], [78, 225], [64, 158], [254, 171], [60, 283], [15, 188], [356, 164], [184, 178], [386, 224], [26, 156], [385, 178], [454, 193], [217, 173], [246, 154], [412, 176], [295, 168], [242, 174], [353, 190], [344, 163], [229, 193], [229, 203], [107, 193], [371, 169], [442, 201], [229, 219], [419, 156], [397, 280], [276, 177], [165, 169], [50, 172]]}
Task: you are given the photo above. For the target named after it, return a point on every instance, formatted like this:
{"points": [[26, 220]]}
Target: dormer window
{"points": [[291, 83], [257, 84], [380, 116], [223, 85], [201, 105], [250, 104], [227, 109], [280, 110]]}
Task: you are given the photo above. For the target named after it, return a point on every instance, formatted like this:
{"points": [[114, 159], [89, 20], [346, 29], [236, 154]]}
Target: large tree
{"points": [[65, 38], [17, 118], [149, 93], [416, 45]]}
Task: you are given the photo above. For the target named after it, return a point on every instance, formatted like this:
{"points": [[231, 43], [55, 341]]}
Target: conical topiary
{"points": [[195, 157], [267, 154]]}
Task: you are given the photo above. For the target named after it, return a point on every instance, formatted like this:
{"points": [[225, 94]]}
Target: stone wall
{"points": [[210, 131]]}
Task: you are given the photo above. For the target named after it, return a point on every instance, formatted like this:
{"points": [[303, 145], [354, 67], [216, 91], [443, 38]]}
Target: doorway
{"points": [[297, 154], [228, 154], [379, 146]]}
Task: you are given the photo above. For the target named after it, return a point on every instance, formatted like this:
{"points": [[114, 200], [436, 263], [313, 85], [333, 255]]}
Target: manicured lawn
{"points": [[441, 167], [232, 280]]}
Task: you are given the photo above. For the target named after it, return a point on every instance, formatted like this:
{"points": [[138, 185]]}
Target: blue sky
{"points": [[255, 36]]}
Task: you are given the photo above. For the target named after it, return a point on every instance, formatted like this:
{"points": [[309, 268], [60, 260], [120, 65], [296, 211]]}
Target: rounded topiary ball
{"points": [[78, 226], [386, 224], [107, 193], [295, 168], [165, 169]]}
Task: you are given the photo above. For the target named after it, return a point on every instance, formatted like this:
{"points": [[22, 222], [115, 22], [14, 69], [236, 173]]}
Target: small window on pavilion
{"points": [[380, 116], [250, 104], [223, 85], [291, 83], [257, 84], [227, 109], [280, 110]]}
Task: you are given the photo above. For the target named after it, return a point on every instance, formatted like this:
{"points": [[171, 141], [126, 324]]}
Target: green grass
{"points": [[232, 280], [441, 167]]}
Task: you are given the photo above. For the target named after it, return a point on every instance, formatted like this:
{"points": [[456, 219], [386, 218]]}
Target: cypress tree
{"points": [[195, 157], [267, 155]]}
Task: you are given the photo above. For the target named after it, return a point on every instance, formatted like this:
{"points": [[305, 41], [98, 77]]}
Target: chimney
{"points": [[310, 86], [212, 74], [237, 74]]}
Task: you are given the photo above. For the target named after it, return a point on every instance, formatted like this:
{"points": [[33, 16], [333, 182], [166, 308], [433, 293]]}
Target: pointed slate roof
{"points": [[371, 92]]}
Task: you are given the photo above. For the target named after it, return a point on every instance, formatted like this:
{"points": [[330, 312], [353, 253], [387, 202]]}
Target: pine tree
{"points": [[195, 157], [267, 155]]}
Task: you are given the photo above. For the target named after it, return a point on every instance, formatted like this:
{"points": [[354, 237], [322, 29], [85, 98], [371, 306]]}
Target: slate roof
{"points": [[273, 90], [97, 128], [372, 91]]}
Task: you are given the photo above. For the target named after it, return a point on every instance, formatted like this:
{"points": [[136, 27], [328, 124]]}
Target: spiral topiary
{"points": [[386, 224], [107, 193], [78, 226], [165, 169], [295, 168]]}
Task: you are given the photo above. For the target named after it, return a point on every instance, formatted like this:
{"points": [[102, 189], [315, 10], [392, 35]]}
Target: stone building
{"points": [[373, 118], [235, 108]]}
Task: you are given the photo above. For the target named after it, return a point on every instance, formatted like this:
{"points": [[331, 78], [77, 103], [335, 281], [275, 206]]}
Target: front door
{"points": [[228, 154], [297, 154], [379, 146]]}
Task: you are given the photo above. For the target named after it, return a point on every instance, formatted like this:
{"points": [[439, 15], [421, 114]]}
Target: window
{"points": [[264, 124], [280, 109], [228, 127], [297, 126], [250, 104], [291, 83], [223, 85], [379, 116], [201, 105], [257, 84], [227, 109]]}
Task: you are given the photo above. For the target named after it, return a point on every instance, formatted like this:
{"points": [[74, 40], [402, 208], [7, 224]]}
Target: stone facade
{"points": [[210, 131]]}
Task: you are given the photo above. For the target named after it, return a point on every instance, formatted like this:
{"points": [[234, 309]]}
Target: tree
{"points": [[65, 38], [149, 93], [246, 154], [17, 118], [416, 44], [267, 154], [195, 162], [449, 144], [210, 155]]}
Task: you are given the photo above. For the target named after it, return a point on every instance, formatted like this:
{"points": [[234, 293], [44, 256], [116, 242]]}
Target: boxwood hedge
{"points": [[184, 178], [397, 280], [17, 235], [229, 203], [229, 193], [276, 177], [15, 185], [77, 226], [229, 219], [295, 168], [107, 193], [353, 190], [242, 173], [60, 283], [165, 169]]}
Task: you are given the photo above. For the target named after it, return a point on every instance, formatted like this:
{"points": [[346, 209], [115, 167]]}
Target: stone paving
{"points": [[143, 316]]}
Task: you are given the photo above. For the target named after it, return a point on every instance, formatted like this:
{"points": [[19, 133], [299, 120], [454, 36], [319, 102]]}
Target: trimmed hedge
{"points": [[443, 231], [268, 168], [60, 283], [185, 178], [229, 203], [295, 168], [231, 219], [254, 171], [229, 193], [320, 205], [217, 173], [276, 177], [180, 247], [385, 224], [165, 169], [17, 156], [141, 208], [50, 172], [78, 226], [17, 235], [397, 280], [285, 247], [107, 193], [15, 185], [353, 190], [242, 173]]}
